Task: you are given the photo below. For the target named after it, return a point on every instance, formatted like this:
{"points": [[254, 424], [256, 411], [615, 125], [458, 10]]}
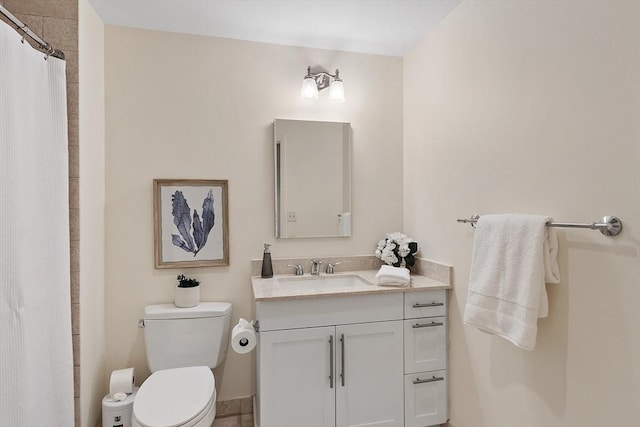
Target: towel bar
{"points": [[608, 225]]}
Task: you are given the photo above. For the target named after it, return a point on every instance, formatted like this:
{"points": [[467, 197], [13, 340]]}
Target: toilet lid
{"points": [[173, 397]]}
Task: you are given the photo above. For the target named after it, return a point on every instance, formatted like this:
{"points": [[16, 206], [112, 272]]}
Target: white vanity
{"points": [[337, 350]]}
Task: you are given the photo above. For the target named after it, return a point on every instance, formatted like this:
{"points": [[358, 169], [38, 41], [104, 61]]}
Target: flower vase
{"points": [[187, 297]]}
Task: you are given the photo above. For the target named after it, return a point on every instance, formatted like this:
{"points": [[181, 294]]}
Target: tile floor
{"points": [[234, 413], [245, 420]]}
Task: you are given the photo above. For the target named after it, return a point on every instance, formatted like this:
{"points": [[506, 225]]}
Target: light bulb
{"points": [[309, 88], [336, 92]]}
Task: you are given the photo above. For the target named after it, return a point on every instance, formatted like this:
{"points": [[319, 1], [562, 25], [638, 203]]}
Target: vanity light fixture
{"points": [[320, 79]]}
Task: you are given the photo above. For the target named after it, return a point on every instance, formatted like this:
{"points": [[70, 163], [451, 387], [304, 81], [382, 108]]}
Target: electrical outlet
{"points": [[291, 217]]}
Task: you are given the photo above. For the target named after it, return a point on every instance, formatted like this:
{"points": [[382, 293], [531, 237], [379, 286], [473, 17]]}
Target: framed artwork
{"points": [[191, 223]]}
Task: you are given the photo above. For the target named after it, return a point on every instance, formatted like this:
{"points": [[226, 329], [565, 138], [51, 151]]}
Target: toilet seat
{"points": [[179, 397]]}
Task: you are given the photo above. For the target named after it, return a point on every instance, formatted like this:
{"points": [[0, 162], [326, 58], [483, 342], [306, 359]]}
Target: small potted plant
{"points": [[187, 292]]}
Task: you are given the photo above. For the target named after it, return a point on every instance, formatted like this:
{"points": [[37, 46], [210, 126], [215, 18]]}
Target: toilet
{"points": [[183, 345]]}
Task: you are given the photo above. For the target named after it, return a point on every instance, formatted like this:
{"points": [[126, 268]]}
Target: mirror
{"points": [[312, 179]]}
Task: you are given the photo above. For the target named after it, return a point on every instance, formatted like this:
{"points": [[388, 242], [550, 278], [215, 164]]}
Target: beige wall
{"points": [[534, 107], [182, 106], [92, 219]]}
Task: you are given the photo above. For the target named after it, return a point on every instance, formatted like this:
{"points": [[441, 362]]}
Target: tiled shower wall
{"points": [[56, 22]]}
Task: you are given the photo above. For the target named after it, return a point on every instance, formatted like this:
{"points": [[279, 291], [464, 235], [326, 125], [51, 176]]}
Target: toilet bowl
{"points": [[183, 346], [178, 397]]}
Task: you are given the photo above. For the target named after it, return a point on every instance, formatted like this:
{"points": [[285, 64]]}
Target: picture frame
{"points": [[191, 223]]}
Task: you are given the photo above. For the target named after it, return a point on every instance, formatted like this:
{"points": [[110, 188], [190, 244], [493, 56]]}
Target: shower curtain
{"points": [[36, 360]]}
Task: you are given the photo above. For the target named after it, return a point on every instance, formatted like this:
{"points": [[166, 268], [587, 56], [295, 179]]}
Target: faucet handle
{"points": [[330, 267], [298, 269]]}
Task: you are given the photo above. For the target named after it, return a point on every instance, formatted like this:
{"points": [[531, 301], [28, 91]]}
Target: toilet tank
{"points": [[181, 337]]}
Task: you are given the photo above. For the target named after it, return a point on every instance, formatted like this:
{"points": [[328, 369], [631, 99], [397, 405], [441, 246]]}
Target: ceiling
{"points": [[383, 27]]}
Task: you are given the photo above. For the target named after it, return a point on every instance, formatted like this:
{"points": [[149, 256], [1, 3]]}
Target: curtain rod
{"points": [[22, 28]]}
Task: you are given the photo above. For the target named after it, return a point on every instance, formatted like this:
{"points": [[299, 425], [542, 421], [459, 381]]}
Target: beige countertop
{"points": [[288, 286]]}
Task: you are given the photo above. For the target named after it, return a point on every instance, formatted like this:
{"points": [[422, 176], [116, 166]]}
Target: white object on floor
{"points": [[513, 257], [181, 390], [118, 412]]}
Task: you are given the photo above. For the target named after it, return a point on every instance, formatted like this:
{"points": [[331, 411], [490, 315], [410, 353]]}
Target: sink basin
{"points": [[323, 282]]}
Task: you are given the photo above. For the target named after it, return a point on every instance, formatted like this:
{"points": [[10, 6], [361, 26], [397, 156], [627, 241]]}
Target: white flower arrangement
{"points": [[397, 249]]}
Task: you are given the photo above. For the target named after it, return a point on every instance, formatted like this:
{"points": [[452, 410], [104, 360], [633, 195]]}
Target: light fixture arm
{"points": [[323, 73], [322, 77]]}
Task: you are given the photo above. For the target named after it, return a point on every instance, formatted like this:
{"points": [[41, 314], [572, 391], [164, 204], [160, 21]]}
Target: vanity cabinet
{"points": [[345, 375], [351, 361], [335, 361], [425, 358]]}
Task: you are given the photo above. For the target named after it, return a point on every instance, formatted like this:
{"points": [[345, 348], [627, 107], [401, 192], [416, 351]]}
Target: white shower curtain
{"points": [[36, 362]]}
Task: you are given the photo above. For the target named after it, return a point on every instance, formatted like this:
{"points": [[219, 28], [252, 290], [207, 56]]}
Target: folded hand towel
{"points": [[395, 276], [513, 256]]}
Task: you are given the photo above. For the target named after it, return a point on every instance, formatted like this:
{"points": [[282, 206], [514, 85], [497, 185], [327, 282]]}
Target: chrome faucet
{"points": [[298, 269], [315, 267], [331, 267]]}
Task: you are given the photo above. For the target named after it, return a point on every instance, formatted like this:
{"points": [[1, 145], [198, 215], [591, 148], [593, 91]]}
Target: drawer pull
{"points": [[427, 325], [428, 380], [431, 304]]}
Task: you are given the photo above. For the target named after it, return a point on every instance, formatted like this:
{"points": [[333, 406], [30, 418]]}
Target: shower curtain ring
{"points": [[49, 50]]}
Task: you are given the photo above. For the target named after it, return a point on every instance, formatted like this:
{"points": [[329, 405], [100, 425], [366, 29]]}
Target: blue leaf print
{"points": [[198, 235], [177, 240], [182, 219], [208, 216]]}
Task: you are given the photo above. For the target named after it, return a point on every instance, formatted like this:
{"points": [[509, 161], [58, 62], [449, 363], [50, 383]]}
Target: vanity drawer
{"points": [[425, 344], [311, 312], [425, 399], [425, 304]]}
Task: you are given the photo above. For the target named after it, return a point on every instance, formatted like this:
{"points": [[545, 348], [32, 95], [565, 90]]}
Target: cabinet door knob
{"points": [[427, 325], [428, 380]]}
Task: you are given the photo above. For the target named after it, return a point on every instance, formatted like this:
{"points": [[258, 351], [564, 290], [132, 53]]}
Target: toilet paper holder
{"points": [[244, 337]]}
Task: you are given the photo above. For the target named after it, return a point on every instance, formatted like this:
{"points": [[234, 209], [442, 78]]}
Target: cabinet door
{"points": [[425, 344], [426, 395], [294, 381], [369, 375]]}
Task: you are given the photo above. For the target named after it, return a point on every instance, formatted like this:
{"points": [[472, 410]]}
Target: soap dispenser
{"points": [[267, 267]]}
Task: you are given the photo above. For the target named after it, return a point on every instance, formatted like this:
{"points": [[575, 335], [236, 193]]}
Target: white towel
{"points": [[393, 276], [513, 257]]}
